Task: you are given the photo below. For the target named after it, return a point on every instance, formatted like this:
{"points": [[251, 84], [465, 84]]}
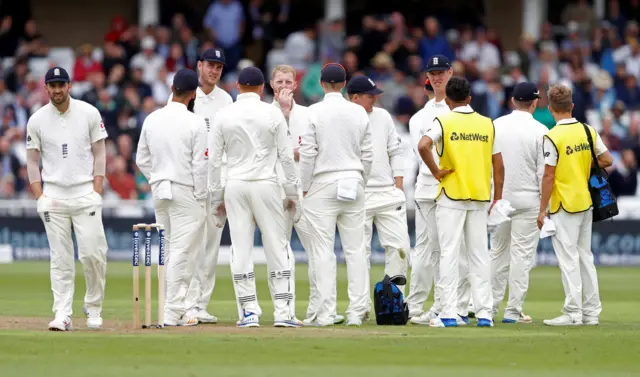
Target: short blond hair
{"points": [[284, 68], [560, 98]]}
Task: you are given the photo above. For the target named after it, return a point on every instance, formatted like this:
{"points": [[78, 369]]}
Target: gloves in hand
{"points": [[292, 202]]}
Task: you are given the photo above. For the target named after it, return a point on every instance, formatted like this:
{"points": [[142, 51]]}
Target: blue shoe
{"points": [[507, 320], [249, 320], [483, 322], [464, 319], [444, 322]]}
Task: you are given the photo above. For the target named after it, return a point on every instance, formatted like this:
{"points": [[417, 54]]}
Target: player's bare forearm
{"points": [[36, 188], [424, 148], [399, 181], [98, 184], [547, 186], [605, 160], [498, 176]]}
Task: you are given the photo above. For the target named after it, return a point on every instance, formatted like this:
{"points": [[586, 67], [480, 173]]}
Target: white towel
{"points": [[348, 189], [162, 190], [499, 215], [548, 228]]}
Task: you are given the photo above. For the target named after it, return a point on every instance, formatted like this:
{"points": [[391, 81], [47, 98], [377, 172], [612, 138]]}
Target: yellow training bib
{"points": [[570, 188], [467, 148]]}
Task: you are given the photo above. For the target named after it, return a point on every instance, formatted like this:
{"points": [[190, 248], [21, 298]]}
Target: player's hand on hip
{"points": [[441, 173], [492, 205]]}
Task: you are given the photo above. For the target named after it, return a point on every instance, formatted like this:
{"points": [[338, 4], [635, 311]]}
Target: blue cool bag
{"points": [[605, 205], [389, 302]]}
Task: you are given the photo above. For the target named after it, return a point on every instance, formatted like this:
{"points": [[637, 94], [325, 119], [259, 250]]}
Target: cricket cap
{"points": [[362, 85], [185, 80], [525, 91], [333, 73], [438, 63], [214, 55], [251, 76], [56, 74]]}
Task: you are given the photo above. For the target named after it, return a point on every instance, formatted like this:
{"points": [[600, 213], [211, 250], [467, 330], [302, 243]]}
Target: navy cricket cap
{"points": [[438, 63], [251, 76], [333, 73], [185, 80], [362, 85], [525, 91], [213, 55], [56, 74]]}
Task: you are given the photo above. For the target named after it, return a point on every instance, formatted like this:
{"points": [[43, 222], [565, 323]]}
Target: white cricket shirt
{"points": [[64, 141], [337, 142], [520, 139], [388, 159], [173, 147], [297, 122], [435, 133], [207, 106], [253, 134], [418, 124]]}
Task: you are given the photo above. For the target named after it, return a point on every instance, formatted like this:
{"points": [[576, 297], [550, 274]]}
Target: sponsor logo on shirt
{"points": [[206, 154], [469, 137], [102, 126], [208, 122], [28, 137], [582, 147], [65, 150], [547, 154]]}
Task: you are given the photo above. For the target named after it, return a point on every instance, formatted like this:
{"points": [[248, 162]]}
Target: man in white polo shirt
{"points": [[283, 83], [514, 243], [68, 135], [384, 198], [172, 155], [210, 98]]}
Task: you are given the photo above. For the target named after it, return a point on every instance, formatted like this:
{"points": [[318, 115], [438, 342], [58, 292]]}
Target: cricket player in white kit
{"points": [[425, 260], [465, 144], [210, 98], [384, 198], [426, 253], [514, 243], [68, 136], [254, 136], [283, 83], [568, 163], [335, 163], [172, 155]]}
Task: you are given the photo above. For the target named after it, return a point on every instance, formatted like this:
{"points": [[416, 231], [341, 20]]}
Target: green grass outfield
{"points": [[27, 349]]}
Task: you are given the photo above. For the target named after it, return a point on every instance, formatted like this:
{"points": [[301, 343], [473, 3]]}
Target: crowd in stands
{"points": [[129, 74]]}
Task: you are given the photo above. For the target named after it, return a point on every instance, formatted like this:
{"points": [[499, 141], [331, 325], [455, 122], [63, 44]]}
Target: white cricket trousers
{"points": [[303, 234], [251, 203], [387, 210], [454, 226], [83, 216], [182, 217], [323, 212], [572, 244], [425, 265], [206, 260], [513, 252]]}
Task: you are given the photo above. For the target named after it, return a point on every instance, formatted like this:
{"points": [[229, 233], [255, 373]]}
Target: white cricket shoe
{"points": [[61, 324], [94, 318], [202, 315], [563, 320], [522, 318], [338, 319], [424, 318], [249, 319], [354, 321], [589, 320], [288, 323]]}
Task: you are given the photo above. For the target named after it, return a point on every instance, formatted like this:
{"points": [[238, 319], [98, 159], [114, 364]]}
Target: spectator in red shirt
{"points": [[118, 26], [120, 181], [85, 63]]}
